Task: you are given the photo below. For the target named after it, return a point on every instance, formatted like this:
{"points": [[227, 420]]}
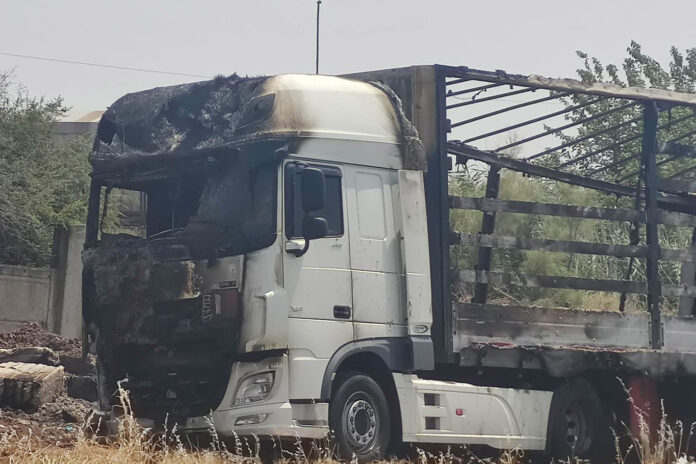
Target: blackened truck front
{"points": [[174, 208]]}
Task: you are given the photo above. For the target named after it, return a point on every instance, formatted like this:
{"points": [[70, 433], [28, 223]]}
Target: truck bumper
{"points": [[279, 420], [276, 416]]}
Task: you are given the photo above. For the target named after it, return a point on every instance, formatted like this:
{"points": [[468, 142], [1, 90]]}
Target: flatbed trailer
{"points": [[445, 103]]}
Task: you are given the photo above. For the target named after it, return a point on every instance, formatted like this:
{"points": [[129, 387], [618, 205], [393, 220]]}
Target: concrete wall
{"points": [[49, 296], [25, 295], [68, 312]]}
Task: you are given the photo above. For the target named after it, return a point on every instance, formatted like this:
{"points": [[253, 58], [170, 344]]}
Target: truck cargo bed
{"points": [[623, 148]]}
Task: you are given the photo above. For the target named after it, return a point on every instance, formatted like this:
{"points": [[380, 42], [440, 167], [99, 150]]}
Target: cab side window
{"points": [[333, 203]]}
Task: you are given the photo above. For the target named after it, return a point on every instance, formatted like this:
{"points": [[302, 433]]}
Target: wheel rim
{"points": [[360, 421], [577, 430]]}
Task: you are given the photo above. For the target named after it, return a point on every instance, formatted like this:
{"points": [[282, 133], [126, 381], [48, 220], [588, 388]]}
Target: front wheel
{"points": [[359, 418]]}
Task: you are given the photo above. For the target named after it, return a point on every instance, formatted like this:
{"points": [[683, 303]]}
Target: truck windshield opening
{"points": [[228, 210]]}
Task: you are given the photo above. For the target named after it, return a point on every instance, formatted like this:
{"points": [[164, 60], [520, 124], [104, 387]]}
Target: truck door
{"points": [[318, 283], [375, 253]]}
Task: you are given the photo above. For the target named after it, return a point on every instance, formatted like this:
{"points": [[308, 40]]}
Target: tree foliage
{"points": [[639, 70], [43, 184]]}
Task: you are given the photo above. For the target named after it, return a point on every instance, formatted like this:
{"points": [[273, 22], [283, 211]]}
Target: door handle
{"points": [[342, 312]]}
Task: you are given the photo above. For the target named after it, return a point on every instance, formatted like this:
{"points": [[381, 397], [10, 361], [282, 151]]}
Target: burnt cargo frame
{"points": [[423, 91]]}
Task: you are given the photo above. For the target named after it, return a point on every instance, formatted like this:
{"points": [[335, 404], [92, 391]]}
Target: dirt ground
{"points": [[53, 424], [32, 334]]}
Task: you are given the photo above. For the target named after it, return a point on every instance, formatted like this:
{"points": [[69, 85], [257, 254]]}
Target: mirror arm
{"points": [[304, 249]]}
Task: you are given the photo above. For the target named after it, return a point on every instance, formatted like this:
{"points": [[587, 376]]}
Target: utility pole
{"points": [[316, 71]]}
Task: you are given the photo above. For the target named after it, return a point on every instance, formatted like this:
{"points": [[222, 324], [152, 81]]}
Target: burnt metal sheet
{"points": [[560, 361], [679, 333], [178, 119], [567, 342], [521, 325]]}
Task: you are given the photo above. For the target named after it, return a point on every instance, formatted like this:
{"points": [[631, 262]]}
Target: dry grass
{"points": [[670, 443], [134, 444]]}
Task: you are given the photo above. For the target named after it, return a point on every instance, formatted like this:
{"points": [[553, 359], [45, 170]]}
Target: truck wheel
{"points": [[359, 418], [579, 424]]}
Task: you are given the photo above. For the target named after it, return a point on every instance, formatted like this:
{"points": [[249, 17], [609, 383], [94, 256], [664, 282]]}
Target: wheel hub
{"points": [[576, 428], [361, 422]]}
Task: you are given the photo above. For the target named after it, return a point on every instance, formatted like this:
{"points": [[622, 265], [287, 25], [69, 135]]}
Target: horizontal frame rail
{"points": [[551, 209], [523, 123], [554, 130], [567, 246], [573, 283], [471, 74], [618, 144], [481, 88], [465, 152], [492, 97], [677, 185], [577, 140], [523, 105]]}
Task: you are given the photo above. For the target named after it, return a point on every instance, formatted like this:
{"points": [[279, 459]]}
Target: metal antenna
{"points": [[316, 71]]}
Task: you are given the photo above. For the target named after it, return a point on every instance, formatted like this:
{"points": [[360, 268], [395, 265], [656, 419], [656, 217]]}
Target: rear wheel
{"points": [[579, 424], [359, 418]]}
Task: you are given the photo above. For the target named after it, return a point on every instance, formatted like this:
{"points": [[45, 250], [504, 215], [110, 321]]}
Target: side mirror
{"points": [[313, 192], [314, 227]]}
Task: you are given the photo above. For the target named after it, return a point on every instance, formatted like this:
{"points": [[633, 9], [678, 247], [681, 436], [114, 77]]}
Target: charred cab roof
{"points": [[209, 116]]}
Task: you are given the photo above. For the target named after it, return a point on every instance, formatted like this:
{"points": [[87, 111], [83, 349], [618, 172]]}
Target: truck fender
{"points": [[401, 354]]}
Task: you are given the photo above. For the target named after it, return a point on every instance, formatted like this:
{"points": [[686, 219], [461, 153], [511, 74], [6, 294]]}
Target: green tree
{"points": [[42, 184], [619, 161]]}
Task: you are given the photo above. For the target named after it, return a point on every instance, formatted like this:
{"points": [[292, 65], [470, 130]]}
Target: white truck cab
{"points": [[347, 304]]}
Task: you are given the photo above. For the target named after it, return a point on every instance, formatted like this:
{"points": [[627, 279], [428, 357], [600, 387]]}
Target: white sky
{"points": [[210, 37]]}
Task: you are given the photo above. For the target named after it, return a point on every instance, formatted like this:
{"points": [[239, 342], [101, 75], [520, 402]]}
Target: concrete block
{"points": [[27, 386]]}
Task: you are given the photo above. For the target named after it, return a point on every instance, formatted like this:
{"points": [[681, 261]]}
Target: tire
{"points": [[579, 425], [359, 418]]}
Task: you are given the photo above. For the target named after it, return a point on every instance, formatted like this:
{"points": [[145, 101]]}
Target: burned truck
{"points": [[289, 272]]}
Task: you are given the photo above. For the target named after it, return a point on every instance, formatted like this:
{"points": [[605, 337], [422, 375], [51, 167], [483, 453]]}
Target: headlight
{"points": [[251, 420], [254, 388]]}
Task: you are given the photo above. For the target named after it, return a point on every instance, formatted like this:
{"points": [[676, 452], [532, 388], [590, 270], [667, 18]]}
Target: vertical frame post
{"points": [[487, 227], [423, 90], [438, 167], [650, 116], [92, 232]]}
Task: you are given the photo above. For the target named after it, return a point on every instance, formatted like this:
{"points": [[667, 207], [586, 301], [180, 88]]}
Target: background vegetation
{"points": [[42, 184]]}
